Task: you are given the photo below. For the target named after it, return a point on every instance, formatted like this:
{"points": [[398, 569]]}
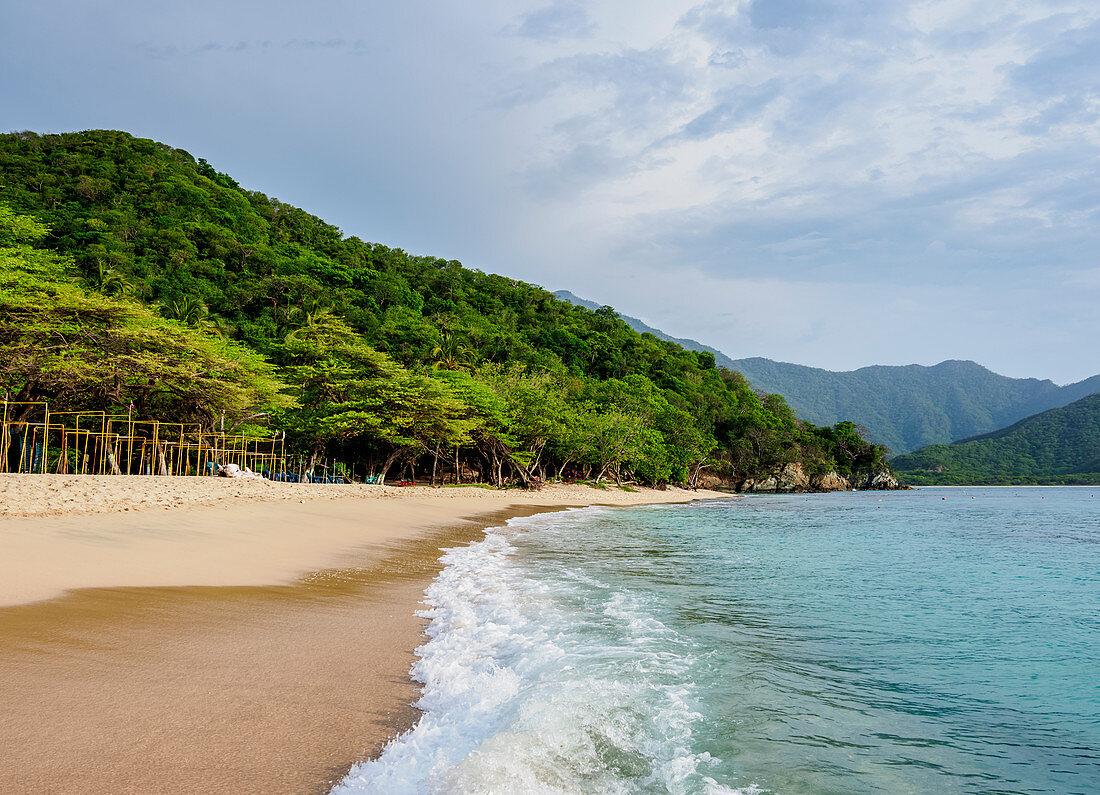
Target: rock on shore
{"points": [[792, 479]]}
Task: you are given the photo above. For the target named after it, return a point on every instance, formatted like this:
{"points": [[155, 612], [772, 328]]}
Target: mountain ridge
{"points": [[905, 407], [1057, 446], [720, 359]]}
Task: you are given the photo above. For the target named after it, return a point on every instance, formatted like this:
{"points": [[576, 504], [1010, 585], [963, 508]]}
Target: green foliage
{"points": [[79, 349], [16, 229], [388, 355], [347, 389], [1060, 446]]}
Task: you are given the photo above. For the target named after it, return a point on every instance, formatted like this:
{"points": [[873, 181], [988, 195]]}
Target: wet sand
{"points": [[261, 647]]}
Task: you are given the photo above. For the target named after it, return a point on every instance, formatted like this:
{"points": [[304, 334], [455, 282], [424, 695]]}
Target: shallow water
{"points": [[852, 642]]}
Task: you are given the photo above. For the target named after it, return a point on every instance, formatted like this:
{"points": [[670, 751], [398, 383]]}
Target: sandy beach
{"points": [[207, 635]]}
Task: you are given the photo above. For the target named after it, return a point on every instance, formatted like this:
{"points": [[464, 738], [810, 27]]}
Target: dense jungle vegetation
{"points": [[1057, 447], [130, 271]]}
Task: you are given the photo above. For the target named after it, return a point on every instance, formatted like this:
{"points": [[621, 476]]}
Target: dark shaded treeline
{"points": [[384, 358]]}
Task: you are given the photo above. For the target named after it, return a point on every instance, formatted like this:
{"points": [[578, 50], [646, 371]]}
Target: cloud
{"points": [[579, 168], [1069, 64], [249, 48], [564, 19], [734, 107], [742, 171], [935, 145]]}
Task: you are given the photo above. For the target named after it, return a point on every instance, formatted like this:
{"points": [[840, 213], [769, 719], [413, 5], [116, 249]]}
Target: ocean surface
{"points": [[939, 640]]}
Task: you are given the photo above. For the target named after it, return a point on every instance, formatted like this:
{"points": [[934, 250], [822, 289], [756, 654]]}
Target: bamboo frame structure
{"points": [[96, 443]]}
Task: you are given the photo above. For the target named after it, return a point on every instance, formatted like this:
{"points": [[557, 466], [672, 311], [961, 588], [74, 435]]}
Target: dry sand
{"points": [[153, 643]]}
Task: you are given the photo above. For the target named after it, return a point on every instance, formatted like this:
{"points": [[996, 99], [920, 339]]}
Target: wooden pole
{"points": [[45, 438], [113, 463]]}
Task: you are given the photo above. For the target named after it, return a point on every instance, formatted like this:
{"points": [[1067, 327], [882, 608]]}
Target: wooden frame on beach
{"points": [[98, 443]]}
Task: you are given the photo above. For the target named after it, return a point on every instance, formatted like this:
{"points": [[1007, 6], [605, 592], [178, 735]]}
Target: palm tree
{"points": [[110, 282], [189, 310], [451, 354]]}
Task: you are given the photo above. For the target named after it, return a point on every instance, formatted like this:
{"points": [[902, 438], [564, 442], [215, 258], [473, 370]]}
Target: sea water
{"points": [[939, 640]]}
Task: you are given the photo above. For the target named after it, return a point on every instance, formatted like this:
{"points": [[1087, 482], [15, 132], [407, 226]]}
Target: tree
{"points": [[612, 438], [347, 389], [189, 310], [79, 349], [142, 218], [533, 413]]}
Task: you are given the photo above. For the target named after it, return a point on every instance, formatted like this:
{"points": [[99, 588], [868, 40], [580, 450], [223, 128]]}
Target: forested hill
{"points": [[114, 248], [1060, 446], [903, 407], [906, 407], [720, 359]]}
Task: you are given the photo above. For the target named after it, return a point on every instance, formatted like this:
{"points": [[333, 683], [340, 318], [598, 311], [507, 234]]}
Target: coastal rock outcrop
{"points": [[831, 481], [882, 480], [792, 478]]}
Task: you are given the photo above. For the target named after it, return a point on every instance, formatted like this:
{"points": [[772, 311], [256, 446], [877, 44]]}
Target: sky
{"points": [[837, 183]]}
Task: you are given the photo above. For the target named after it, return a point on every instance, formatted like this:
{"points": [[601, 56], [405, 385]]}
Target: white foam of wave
{"points": [[521, 694]]}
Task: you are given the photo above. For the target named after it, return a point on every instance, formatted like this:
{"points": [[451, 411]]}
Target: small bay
{"points": [[939, 640]]}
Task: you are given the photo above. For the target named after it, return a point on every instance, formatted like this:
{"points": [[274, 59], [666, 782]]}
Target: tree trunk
{"points": [[397, 453], [435, 462], [113, 464], [63, 459], [490, 463]]}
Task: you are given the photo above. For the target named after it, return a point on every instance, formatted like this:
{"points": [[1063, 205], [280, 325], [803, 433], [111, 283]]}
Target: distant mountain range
{"points": [[903, 407], [908, 407], [1060, 446]]}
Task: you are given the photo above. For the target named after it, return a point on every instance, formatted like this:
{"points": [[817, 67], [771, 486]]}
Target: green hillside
{"points": [[720, 359], [912, 406], [356, 350], [902, 408], [1060, 446]]}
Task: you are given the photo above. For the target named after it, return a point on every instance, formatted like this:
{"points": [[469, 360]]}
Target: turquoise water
{"points": [[853, 642]]}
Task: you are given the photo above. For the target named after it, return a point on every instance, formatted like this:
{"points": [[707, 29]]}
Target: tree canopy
{"points": [[78, 348], [136, 272]]}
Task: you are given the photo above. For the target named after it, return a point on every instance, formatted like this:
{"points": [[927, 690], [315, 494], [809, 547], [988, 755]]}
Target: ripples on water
{"points": [[797, 644]]}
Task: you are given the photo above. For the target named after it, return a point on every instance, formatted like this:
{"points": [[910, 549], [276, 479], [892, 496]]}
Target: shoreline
{"points": [[1026, 486], [262, 677]]}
